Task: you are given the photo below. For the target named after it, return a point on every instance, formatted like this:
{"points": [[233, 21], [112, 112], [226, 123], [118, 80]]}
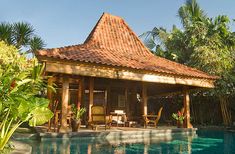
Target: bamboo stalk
{"points": [[224, 114], [222, 110], [226, 111]]}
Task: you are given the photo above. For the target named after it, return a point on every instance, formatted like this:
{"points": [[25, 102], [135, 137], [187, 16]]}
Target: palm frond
{"points": [[22, 33], [6, 33], [36, 43], [191, 12]]}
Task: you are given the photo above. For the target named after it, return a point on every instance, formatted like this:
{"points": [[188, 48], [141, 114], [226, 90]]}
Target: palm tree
{"points": [[6, 33], [191, 12], [21, 35], [154, 38], [174, 45]]}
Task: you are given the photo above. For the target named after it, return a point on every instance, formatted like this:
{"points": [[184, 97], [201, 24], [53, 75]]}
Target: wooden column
{"points": [[49, 96], [64, 105], [144, 99], [49, 91], [187, 123], [134, 107], [126, 100], [107, 98], [80, 92], [91, 95]]}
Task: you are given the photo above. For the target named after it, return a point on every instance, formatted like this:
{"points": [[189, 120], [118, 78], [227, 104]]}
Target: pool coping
{"points": [[21, 148], [120, 133]]}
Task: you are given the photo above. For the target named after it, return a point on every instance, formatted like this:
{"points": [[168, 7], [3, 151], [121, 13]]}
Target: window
{"points": [[121, 100]]}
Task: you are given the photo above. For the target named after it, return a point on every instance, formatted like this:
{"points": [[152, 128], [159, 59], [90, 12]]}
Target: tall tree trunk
{"points": [[225, 110]]}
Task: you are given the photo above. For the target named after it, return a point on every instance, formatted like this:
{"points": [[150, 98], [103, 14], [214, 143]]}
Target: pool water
{"points": [[204, 142]]}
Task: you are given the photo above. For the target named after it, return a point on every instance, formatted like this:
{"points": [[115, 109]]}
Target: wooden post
{"points": [[187, 123], [126, 100], [91, 95], [144, 99], [80, 92], [49, 96], [134, 108], [107, 98], [64, 105]]}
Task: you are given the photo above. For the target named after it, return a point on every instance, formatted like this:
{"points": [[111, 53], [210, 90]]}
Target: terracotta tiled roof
{"points": [[112, 42]]}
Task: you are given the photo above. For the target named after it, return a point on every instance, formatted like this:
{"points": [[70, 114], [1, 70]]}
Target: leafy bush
{"points": [[77, 112], [20, 85], [178, 117]]}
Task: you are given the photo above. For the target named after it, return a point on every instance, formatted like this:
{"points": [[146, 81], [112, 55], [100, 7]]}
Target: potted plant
{"points": [[76, 118], [179, 117]]}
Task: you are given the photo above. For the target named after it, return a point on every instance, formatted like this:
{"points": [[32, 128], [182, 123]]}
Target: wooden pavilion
{"points": [[111, 68]]}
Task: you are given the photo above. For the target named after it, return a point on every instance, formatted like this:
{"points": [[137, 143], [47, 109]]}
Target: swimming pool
{"points": [[204, 142]]}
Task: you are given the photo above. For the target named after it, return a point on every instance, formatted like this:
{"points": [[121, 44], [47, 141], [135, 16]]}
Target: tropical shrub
{"points": [[21, 83], [179, 117], [78, 112]]}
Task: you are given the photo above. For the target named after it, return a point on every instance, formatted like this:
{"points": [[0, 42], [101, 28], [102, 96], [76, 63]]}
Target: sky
{"points": [[69, 22]]}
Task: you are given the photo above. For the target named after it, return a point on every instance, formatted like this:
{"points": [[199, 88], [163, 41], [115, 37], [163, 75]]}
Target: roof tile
{"points": [[112, 42]]}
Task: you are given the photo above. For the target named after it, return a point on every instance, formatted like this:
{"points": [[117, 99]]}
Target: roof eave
{"points": [[125, 73]]}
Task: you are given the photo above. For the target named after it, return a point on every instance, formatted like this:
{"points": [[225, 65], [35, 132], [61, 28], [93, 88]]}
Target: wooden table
{"points": [[130, 123], [118, 115]]}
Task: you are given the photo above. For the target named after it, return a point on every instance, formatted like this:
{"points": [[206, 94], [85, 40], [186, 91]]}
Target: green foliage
{"points": [[78, 112], [205, 43], [38, 118], [156, 40], [214, 53], [178, 117], [191, 12], [35, 43], [20, 35], [20, 84], [8, 54], [6, 33]]}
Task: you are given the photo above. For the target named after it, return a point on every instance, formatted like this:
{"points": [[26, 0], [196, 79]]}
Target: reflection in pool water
{"points": [[204, 142]]}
